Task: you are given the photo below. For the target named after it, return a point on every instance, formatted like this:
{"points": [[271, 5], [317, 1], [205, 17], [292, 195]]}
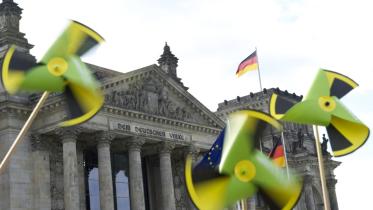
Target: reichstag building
{"points": [[131, 154]]}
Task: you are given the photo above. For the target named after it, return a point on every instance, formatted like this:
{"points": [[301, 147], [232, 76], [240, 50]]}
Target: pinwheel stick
{"points": [[24, 129], [243, 204], [325, 193]]}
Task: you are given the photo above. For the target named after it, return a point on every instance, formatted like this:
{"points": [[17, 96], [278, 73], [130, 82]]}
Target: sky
{"points": [[294, 39]]}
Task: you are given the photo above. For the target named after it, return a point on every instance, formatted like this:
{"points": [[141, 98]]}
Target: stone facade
{"points": [[131, 154]]}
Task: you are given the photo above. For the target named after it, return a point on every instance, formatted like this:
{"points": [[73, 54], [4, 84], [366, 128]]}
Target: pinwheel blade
{"points": [[339, 84], [39, 79], [83, 103], [311, 111], [280, 189], [329, 83], [79, 73], [238, 190], [218, 192], [278, 105], [14, 68], [242, 128], [76, 39], [319, 87], [308, 112], [84, 98], [346, 132], [216, 187]]}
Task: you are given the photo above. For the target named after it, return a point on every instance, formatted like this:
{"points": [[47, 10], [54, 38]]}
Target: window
{"points": [[92, 181], [120, 179], [93, 189]]}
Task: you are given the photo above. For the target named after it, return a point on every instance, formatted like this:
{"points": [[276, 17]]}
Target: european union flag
{"points": [[209, 165]]}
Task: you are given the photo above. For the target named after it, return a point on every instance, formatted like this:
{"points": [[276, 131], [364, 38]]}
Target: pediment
{"points": [[149, 90]]}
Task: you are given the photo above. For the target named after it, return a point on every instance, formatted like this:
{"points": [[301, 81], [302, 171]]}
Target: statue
{"points": [[300, 138], [324, 145]]}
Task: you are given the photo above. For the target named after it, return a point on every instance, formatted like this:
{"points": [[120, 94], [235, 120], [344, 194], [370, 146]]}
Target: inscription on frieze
{"points": [[149, 131]]}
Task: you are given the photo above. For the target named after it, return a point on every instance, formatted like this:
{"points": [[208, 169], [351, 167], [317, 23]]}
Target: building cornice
{"points": [[115, 111]]}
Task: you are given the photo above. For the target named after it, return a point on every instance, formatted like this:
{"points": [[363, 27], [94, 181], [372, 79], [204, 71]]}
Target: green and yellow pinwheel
{"points": [[60, 70], [323, 107], [243, 170]]}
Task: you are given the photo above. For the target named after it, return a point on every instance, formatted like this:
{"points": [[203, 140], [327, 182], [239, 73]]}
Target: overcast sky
{"points": [[211, 37]]}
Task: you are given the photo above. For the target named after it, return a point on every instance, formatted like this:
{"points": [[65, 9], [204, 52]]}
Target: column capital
{"points": [[68, 134], [188, 150], [135, 143], [331, 183], [104, 137], [166, 147], [192, 149]]}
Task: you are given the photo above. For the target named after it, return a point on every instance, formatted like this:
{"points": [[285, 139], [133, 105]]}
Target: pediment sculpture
{"points": [[149, 96]]}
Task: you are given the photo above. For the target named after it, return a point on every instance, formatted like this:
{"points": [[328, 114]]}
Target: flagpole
{"points": [[260, 145], [260, 80], [325, 193], [286, 157], [24, 129]]}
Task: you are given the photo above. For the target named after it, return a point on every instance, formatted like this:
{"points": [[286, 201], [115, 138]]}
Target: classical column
{"points": [[70, 167], [104, 169], [136, 185], [168, 195], [308, 193], [194, 152], [332, 194], [81, 174], [41, 173]]}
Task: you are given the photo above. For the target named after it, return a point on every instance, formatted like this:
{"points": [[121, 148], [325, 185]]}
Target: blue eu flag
{"points": [[208, 166]]}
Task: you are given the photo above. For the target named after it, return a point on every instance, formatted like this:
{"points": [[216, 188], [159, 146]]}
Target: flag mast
{"points": [[243, 202], [261, 90], [257, 60]]}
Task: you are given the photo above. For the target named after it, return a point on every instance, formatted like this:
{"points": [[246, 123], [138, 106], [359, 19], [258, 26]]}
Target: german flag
{"points": [[249, 64], [277, 154]]}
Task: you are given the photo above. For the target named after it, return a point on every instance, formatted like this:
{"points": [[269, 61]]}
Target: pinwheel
{"points": [[323, 107], [243, 170], [60, 70]]}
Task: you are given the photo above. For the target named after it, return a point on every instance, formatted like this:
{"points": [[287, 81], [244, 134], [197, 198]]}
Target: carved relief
{"points": [[148, 96]]}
